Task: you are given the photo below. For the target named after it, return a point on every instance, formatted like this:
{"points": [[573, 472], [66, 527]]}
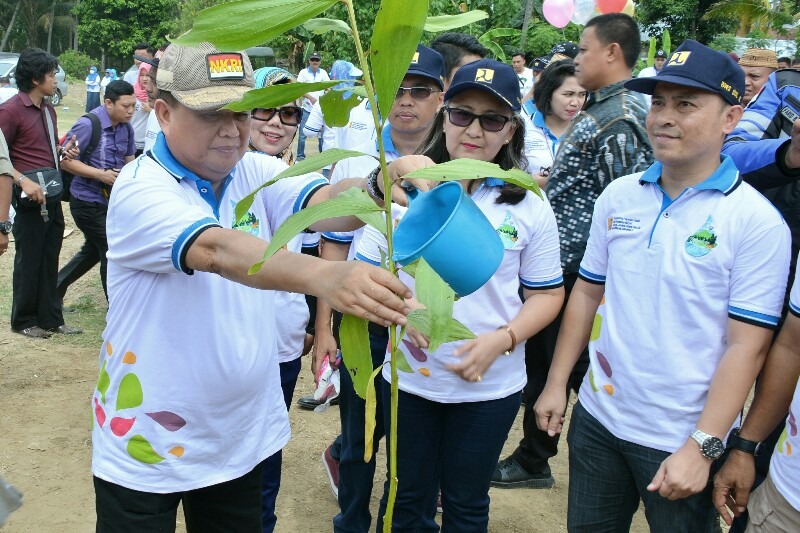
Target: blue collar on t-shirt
{"points": [[725, 179], [163, 156], [388, 144]]}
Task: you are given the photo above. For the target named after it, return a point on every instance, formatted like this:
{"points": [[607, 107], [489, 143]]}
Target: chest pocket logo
{"points": [[702, 241], [508, 232], [249, 223]]}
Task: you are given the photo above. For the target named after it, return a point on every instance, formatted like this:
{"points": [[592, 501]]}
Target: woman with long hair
{"points": [[457, 405]]}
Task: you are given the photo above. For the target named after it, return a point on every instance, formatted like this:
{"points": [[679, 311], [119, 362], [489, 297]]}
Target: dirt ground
{"points": [[45, 440]]}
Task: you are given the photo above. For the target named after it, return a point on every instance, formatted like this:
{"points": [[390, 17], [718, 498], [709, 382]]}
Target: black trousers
{"points": [[90, 217], [232, 506], [37, 244], [536, 446]]}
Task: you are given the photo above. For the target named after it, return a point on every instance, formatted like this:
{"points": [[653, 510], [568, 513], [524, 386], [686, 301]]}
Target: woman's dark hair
{"points": [[549, 81], [33, 65], [118, 88], [511, 155]]}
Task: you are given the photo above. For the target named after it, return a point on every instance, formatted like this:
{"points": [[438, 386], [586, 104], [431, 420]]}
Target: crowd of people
{"points": [[656, 279]]}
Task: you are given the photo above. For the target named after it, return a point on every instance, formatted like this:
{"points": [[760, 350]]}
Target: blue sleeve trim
{"points": [[751, 317], [307, 192], [340, 237], [795, 310], [549, 284], [591, 277], [187, 237], [366, 259]]}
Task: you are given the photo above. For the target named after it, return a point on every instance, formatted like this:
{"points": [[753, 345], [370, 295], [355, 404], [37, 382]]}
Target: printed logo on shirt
{"points": [[484, 75], [702, 241], [508, 232], [357, 125], [227, 66], [784, 446], [624, 224], [248, 223]]}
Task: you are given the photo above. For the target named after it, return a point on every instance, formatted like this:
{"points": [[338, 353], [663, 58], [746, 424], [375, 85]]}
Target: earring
{"points": [[507, 141]]}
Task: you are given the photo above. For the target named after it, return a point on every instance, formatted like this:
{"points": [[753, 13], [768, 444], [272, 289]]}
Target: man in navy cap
{"points": [[679, 292], [658, 64]]}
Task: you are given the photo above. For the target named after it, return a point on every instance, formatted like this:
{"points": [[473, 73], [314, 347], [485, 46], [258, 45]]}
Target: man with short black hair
{"points": [[784, 62], [457, 49], [310, 74], [524, 74], [680, 289], [94, 177], [28, 122], [140, 51]]}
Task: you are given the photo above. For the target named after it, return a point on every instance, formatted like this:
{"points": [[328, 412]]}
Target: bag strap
{"points": [[51, 133], [95, 139]]}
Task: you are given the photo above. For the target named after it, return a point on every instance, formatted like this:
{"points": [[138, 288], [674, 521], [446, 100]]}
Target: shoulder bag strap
{"points": [[51, 131]]}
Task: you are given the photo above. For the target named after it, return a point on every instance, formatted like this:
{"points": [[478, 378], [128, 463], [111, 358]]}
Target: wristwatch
{"points": [[747, 446], [5, 227], [710, 446]]}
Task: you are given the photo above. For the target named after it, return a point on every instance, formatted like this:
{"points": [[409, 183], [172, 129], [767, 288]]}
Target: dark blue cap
{"points": [[488, 75], [661, 54], [427, 63], [567, 48], [540, 63], [696, 65]]}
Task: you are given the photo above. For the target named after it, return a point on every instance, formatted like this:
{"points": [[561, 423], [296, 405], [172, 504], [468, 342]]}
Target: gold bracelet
{"points": [[513, 339]]}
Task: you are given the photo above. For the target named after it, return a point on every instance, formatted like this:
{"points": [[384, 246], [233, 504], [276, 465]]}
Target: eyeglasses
{"points": [[489, 122], [315, 60], [417, 93], [289, 115]]}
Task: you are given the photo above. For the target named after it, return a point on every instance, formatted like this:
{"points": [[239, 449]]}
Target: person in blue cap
{"points": [[679, 292], [458, 403]]}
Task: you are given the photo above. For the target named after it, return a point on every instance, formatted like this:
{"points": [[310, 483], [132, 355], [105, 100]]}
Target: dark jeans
{"points": [[536, 447], [301, 138], [230, 506], [356, 476], [37, 244], [271, 475], [607, 478], [90, 217], [454, 446]]}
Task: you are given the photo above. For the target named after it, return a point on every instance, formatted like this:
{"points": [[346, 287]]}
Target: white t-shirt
{"points": [[6, 93], [315, 127], [152, 130], [784, 467], [189, 360], [139, 124], [531, 257], [360, 130], [525, 81], [308, 76], [674, 274], [540, 144]]}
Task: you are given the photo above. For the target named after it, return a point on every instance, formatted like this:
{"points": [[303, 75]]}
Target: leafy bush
{"points": [[76, 64], [725, 42]]}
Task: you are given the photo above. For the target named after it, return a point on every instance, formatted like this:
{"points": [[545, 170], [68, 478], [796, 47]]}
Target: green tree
{"points": [[725, 42], [684, 18]]}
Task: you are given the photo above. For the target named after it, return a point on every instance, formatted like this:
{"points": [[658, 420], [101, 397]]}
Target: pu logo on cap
{"points": [[484, 75], [415, 59], [225, 66], [678, 59]]}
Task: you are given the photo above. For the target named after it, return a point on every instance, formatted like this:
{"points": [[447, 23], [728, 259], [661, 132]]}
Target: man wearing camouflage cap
{"points": [[188, 404]]}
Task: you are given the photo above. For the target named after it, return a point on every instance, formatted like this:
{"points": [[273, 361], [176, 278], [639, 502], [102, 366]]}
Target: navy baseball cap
{"points": [[696, 65], [427, 63], [540, 63], [661, 54], [567, 48], [488, 75]]}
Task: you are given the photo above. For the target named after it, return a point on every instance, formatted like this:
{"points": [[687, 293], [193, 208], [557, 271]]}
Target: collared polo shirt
{"points": [[115, 143], [307, 75], [675, 272], [25, 129], [189, 392], [540, 143]]}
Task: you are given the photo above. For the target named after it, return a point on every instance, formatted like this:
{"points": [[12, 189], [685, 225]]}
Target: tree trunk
{"points": [[10, 27], [526, 21], [50, 25]]}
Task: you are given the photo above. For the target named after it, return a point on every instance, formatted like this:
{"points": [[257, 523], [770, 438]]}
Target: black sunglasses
{"points": [[289, 115], [417, 93], [489, 122]]}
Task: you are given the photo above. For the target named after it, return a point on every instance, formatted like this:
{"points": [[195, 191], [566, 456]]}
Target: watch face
{"points": [[712, 447]]}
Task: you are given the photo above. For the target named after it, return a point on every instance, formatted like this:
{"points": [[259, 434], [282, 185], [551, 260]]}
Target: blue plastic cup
{"points": [[447, 229]]}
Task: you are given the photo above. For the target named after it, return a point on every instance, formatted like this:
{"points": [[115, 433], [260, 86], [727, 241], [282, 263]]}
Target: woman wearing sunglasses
{"points": [[457, 406], [271, 133]]}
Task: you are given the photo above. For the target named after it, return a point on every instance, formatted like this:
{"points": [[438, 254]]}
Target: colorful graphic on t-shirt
{"points": [[602, 360], [508, 232], [130, 395], [249, 223], [703, 240], [784, 446]]}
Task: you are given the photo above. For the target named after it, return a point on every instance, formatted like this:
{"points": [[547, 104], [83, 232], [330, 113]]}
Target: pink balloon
{"points": [[558, 12], [611, 6]]}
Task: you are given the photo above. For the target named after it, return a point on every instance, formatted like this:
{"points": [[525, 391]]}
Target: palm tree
{"points": [[49, 20], [758, 14]]}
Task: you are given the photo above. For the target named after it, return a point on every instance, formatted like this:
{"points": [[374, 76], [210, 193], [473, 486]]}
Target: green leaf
{"points": [[319, 26], [421, 321], [244, 23], [277, 95], [466, 169], [103, 382], [411, 269], [450, 22], [494, 33], [369, 415], [397, 32], [402, 362], [309, 164], [353, 201], [141, 450], [354, 339], [435, 294], [130, 392], [495, 49], [666, 43], [376, 220], [336, 107], [651, 52], [359, 90]]}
